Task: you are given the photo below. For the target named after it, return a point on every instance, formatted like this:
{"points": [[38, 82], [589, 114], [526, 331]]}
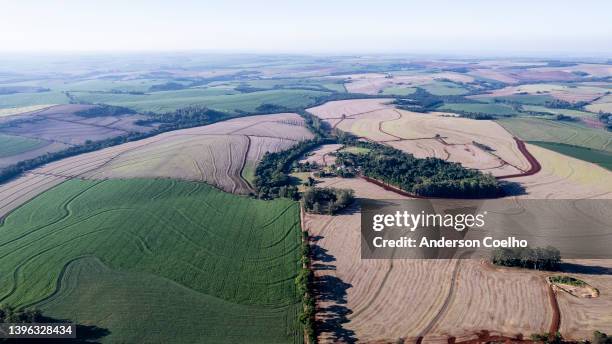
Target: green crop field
{"points": [[399, 91], [601, 158], [220, 99], [567, 112], [28, 99], [537, 129], [297, 83], [489, 108], [445, 88], [156, 260], [12, 145], [528, 99]]}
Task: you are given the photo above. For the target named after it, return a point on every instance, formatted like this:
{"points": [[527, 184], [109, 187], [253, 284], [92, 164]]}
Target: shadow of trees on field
{"points": [[330, 290], [584, 269], [512, 188]]}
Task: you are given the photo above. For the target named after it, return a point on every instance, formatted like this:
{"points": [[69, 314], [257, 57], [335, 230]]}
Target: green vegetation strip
{"points": [[601, 158], [226, 101], [157, 260], [537, 129]]}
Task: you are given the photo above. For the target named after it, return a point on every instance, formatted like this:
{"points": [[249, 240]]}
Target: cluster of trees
{"points": [[424, 177], [556, 338], [562, 104], [105, 110], [419, 101], [565, 118], [548, 338], [305, 167], [326, 200], [303, 284], [606, 119], [601, 338], [9, 314], [271, 179], [187, 117], [538, 258], [568, 280], [168, 86]]}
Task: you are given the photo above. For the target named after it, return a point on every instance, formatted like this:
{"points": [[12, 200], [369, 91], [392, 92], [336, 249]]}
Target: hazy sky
{"points": [[309, 26]]}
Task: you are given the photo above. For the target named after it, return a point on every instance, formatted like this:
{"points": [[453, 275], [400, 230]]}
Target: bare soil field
{"points": [[384, 301], [580, 315]]}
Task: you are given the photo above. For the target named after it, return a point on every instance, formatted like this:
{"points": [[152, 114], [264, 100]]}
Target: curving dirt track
{"points": [[533, 162]]}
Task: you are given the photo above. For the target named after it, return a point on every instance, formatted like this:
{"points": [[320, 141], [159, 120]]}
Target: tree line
{"points": [[538, 258]]}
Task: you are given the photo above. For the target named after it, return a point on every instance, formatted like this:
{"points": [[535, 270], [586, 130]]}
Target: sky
{"points": [[309, 26]]}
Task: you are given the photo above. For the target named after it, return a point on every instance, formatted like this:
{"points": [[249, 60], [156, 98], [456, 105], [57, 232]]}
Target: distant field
{"points": [[306, 83], [492, 108], [444, 88], [220, 99], [601, 158], [604, 104], [13, 145], [29, 99], [17, 110], [399, 91], [536, 129], [533, 99], [156, 260], [567, 112]]}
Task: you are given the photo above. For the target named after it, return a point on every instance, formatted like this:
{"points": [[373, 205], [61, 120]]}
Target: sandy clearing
{"points": [[321, 156]]}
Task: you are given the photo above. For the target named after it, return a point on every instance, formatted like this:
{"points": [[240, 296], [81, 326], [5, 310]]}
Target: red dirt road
{"points": [[535, 165]]}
